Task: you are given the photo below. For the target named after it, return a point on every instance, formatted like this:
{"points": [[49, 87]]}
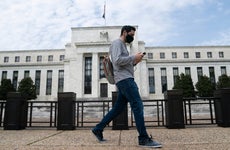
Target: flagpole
{"points": [[104, 14]]}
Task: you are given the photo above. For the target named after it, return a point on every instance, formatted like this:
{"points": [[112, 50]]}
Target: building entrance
{"points": [[104, 90]]}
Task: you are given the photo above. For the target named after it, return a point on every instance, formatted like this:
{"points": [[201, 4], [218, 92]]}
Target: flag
{"points": [[103, 16]]}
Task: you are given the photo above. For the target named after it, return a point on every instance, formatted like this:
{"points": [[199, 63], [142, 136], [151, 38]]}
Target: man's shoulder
{"points": [[117, 41]]}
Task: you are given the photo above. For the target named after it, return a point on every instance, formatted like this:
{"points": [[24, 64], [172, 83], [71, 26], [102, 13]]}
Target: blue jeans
{"points": [[127, 92]]}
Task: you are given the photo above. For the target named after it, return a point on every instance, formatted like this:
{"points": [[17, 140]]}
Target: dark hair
{"points": [[127, 28]]}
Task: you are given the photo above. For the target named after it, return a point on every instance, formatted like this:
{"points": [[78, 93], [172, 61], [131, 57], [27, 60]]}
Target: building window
{"points": [[101, 72], [197, 54], [212, 75], [37, 81], [61, 81], [17, 59], [15, 79], [62, 57], [187, 71], [221, 54], [50, 58], [186, 55], [28, 58], [103, 89], [49, 82], [4, 74], [163, 80], [26, 74], [6, 59], [151, 81], [162, 55], [39, 58], [88, 75], [209, 54], [199, 72], [174, 55], [175, 74], [223, 70], [150, 55]]}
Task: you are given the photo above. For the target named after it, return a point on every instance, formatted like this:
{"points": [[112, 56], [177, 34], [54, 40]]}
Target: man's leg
{"points": [[119, 106], [132, 94], [133, 97]]}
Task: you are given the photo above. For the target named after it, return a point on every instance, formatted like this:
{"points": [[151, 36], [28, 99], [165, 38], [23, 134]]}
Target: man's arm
{"points": [[119, 57]]}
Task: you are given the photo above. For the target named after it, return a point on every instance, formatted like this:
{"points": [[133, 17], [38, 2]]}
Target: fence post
{"points": [[174, 109], [222, 107], [121, 121], [16, 111], [66, 111]]}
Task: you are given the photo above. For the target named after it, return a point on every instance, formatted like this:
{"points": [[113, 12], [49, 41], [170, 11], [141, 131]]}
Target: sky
{"points": [[46, 24]]}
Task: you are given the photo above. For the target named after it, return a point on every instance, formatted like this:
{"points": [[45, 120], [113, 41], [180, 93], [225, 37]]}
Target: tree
{"points": [[223, 82], [27, 88], [5, 87], [184, 82], [205, 87]]}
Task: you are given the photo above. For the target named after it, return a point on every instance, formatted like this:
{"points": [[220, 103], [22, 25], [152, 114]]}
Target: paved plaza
{"points": [[190, 138]]}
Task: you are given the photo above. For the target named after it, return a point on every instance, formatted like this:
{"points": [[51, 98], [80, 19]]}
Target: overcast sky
{"points": [[46, 24]]}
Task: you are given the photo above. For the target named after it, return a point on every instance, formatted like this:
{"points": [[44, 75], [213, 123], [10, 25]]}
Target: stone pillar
{"points": [[222, 107], [174, 109], [66, 111], [95, 75], [16, 110], [121, 121], [144, 85]]}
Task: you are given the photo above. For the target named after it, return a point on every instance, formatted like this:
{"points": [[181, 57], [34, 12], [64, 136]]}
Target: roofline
{"points": [[33, 50]]}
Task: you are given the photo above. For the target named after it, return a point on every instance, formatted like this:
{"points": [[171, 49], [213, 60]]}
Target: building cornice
{"points": [[107, 43], [190, 47], [189, 61], [32, 64], [26, 51]]}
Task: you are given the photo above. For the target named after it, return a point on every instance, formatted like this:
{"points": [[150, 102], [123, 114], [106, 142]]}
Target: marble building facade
{"points": [[78, 67]]}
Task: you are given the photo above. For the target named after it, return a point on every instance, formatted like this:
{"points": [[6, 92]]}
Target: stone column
{"points": [[95, 75], [144, 85]]}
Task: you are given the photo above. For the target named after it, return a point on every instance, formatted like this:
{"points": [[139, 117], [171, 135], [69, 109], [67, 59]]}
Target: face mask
{"points": [[129, 38]]}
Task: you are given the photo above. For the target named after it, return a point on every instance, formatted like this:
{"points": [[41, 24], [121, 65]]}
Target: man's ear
{"points": [[125, 32]]}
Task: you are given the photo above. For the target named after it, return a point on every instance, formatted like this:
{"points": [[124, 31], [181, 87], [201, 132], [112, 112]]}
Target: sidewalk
{"points": [[192, 138]]}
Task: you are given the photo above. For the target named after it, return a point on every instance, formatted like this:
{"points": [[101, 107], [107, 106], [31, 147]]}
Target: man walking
{"points": [[123, 65]]}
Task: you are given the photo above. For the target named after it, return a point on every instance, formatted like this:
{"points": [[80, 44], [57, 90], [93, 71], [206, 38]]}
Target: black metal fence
{"points": [[197, 111], [154, 111], [90, 112], [2, 108], [42, 114]]}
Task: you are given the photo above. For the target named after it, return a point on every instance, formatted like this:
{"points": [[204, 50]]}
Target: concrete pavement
{"points": [[190, 138]]}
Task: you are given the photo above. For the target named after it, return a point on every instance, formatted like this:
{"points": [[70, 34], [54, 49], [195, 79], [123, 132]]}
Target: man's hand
{"points": [[138, 57]]}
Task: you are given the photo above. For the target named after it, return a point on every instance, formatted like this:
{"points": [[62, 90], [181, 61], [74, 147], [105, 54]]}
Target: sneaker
{"points": [[98, 134], [148, 142]]}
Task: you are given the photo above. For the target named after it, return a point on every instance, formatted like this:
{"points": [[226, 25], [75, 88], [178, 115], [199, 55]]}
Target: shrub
{"points": [[5, 87], [184, 82], [205, 87], [223, 82], [27, 88]]}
